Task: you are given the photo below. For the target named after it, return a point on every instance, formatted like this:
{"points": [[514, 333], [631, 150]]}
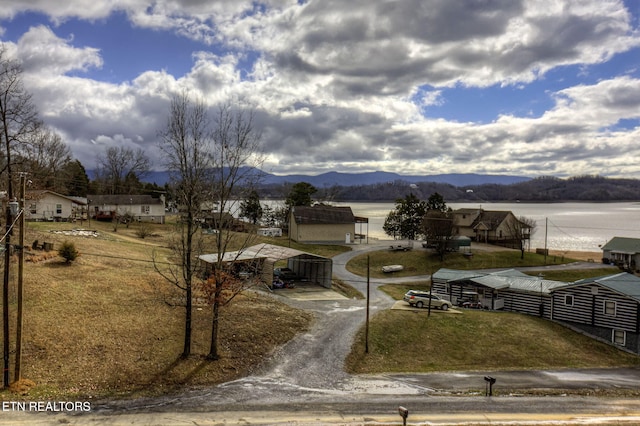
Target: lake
{"points": [[569, 226]]}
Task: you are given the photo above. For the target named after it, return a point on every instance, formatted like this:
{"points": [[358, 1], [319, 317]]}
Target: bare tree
{"points": [[18, 121], [119, 164], [46, 157], [18, 115], [235, 157], [210, 162], [186, 145], [520, 230]]}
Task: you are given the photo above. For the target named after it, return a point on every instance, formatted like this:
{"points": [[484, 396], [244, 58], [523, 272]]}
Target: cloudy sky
{"points": [[518, 87]]}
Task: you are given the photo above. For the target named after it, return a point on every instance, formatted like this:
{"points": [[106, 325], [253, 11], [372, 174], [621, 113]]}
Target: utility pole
{"points": [[366, 329], [20, 280], [546, 227], [5, 297]]}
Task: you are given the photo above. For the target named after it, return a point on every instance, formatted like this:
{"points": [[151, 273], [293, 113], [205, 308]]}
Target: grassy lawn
{"points": [[109, 325], [475, 340], [423, 262]]}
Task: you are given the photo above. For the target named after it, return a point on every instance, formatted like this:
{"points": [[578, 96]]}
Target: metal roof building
{"points": [[316, 269], [507, 289]]}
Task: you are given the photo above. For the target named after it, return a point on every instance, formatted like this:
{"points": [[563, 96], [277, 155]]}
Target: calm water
{"points": [[569, 226]]}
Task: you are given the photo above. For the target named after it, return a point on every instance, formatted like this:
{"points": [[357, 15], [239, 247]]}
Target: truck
{"points": [[402, 246]]}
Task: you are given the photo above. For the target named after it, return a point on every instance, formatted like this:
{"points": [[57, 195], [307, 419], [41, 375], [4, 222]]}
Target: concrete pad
{"points": [[404, 306], [309, 291]]}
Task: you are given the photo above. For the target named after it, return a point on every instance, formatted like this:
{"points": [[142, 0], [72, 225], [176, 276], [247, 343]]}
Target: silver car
{"points": [[420, 299]]}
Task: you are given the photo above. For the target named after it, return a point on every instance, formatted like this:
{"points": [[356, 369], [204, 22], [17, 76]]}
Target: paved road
{"points": [[304, 383]]}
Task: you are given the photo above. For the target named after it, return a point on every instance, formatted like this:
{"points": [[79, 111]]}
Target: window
{"points": [[145, 209], [33, 208], [568, 299], [610, 308], [58, 208], [618, 337]]}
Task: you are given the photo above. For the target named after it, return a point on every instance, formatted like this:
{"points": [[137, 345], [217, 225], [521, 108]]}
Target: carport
{"points": [[314, 268]]}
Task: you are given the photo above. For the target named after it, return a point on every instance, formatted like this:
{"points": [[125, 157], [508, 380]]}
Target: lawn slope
{"points": [[109, 325]]}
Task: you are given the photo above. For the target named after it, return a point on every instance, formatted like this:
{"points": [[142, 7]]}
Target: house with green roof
{"points": [[624, 252], [606, 307]]}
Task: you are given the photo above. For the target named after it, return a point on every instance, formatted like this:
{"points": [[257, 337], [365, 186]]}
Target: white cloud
{"points": [[342, 85], [42, 52]]}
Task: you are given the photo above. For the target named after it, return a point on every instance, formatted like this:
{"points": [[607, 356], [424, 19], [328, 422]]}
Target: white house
{"points": [[47, 205], [141, 207]]}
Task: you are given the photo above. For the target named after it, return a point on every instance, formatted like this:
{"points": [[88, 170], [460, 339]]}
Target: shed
{"points": [[314, 268], [459, 242]]}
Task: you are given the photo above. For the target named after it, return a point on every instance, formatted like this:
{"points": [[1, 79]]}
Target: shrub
{"points": [[68, 252], [144, 230]]}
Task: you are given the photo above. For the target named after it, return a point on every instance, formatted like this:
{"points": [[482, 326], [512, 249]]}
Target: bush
{"points": [[68, 252], [144, 230]]}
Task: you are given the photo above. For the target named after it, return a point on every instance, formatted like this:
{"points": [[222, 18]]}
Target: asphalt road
{"points": [[304, 384]]}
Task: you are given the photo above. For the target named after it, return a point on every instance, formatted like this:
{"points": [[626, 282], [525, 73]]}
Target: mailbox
{"points": [[490, 382], [404, 413]]}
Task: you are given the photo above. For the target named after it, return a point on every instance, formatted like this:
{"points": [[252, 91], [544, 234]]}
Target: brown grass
{"points": [[101, 325]]}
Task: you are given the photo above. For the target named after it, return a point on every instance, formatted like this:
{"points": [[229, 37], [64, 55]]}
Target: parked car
{"points": [[420, 299], [285, 274]]}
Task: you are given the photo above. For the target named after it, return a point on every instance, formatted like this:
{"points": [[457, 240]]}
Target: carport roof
{"points": [[264, 251], [274, 253], [500, 280]]}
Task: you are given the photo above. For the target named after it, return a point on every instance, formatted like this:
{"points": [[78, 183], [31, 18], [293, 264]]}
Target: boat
{"points": [[392, 268]]}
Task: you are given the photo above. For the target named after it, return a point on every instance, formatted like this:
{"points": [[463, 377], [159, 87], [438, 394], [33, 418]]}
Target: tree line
{"points": [[588, 188]]}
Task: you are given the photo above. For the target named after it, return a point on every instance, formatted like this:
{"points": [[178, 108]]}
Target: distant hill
{"points": [[374, 186], [368, 178]]}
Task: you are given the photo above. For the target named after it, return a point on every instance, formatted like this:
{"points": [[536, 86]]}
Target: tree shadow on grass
{"points": [[178, 374]]}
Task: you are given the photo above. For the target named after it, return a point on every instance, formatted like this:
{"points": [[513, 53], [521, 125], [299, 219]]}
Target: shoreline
{"points": [[586, 256]]}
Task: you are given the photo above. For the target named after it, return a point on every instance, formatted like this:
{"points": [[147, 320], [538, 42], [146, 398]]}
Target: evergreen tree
{"points": [[436, 202], [406, 219], [251, 208], [76, 179], [300, 195]]}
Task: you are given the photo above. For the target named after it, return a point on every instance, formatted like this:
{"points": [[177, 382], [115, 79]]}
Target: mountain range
{"points": [[369, 178]]}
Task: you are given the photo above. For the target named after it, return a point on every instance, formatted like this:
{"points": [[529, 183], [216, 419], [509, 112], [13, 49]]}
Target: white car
{"points": [[420, 299]]}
